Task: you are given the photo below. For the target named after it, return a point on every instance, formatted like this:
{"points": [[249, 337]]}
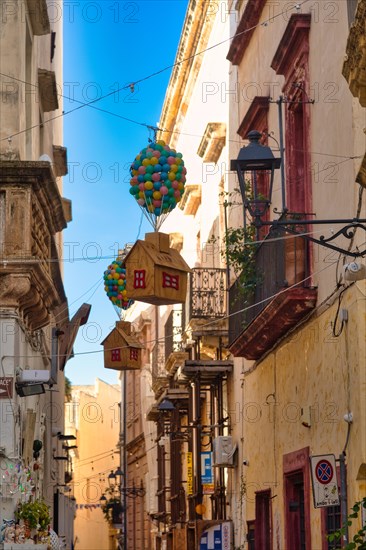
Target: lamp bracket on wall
{"points": [[348, 231]]}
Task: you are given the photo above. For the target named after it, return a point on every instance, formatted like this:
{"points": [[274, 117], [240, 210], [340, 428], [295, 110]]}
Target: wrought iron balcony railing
{"points": [[207, 288], [280, 261]]}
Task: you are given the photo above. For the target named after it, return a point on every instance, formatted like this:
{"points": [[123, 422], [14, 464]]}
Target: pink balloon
{"points": [[164, 190], [141, 202], [183, 180], [157, 154], [175, 184], [156, 203], [171, 160], [177, 193], [142, 186], [141, 170], [134, 180], [184, 170], [156, 176]]}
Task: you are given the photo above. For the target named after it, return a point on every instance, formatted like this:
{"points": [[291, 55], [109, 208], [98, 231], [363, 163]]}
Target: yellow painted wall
{"points": [[314, 370], [94, 415]]}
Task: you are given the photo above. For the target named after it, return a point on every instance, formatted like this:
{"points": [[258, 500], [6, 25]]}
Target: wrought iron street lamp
{"points": [[257, 158]]}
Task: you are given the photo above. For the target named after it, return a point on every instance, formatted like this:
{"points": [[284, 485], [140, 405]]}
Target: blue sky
{"points": [[107, 45]]}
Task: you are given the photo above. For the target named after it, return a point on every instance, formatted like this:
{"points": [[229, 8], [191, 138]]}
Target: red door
{"points": [[295, 512]]}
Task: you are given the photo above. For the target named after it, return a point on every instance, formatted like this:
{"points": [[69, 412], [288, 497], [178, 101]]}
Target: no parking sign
{"points": [[324, 480]]}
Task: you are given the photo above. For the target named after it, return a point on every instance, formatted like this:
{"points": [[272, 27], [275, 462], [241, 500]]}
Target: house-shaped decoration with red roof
{"points": [[156, 273], [122, 350]]}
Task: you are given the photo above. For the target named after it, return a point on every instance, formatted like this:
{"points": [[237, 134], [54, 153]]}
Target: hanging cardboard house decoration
{"points": [[156, 274], [122, 350]]}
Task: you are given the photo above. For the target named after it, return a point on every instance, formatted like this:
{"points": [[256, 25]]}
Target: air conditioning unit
{"points": [[29, 376], [223, 451]]}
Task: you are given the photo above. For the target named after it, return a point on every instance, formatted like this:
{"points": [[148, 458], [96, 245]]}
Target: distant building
{"points": [[93, 417]]}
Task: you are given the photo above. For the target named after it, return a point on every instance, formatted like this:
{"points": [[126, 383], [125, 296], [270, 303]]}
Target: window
{"points": [[333, 522], [139, 278], [134, 354], [251, 535], [170, 281], [116, 355], [292, 61]]}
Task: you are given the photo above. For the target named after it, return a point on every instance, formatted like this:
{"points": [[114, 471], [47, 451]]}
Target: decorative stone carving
{"points": [[354, 67], [33, 212]]}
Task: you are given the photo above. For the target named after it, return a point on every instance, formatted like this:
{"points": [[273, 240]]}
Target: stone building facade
{"points": [[275, 369], [36, 333]]}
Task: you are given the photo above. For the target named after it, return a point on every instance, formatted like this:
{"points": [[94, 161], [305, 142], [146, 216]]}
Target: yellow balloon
{"points": [[180, 186], [161, 142], [150, 207], [178, 161], [141, 195], [174, 168], [154, 161], [146, 162], [171, 176], [157, 195]]}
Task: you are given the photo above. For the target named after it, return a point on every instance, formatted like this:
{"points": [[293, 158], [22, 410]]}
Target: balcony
{"points": [[207, 293], [281, 298], [31, 214]]}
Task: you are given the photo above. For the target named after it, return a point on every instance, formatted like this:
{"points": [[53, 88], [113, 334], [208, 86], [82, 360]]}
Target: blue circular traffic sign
{"points": [[324, 471]]}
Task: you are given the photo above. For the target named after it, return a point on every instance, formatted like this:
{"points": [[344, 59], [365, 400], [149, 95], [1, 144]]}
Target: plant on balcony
{"points": [[111, 507], [239, 250]]}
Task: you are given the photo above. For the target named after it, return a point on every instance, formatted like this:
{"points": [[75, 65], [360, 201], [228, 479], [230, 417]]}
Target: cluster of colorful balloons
{"points": [[115, 285], [158, 176]]}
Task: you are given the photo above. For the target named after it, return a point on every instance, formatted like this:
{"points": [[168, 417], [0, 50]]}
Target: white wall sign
{"points": [[324, 480]]}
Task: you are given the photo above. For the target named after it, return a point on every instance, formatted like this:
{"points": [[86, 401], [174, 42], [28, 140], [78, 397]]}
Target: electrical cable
{"points": [[156, 73], [166, 337], [82, 103]]}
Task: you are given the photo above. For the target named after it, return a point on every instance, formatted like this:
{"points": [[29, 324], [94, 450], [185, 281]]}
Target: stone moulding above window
{"points": [[38, 15], [255, 117], [191, 199], [212, 142], [293, 46], [47, 90], [245, 30]]}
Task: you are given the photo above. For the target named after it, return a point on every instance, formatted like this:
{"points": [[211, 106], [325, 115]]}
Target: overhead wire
{"points": [[269, 298], [152, 75]]}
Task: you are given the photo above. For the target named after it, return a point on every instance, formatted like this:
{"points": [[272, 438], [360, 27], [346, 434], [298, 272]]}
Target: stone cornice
{"points": [[255, 116], [294, 43], [194, 38], [38, 175], [245, 30]]}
